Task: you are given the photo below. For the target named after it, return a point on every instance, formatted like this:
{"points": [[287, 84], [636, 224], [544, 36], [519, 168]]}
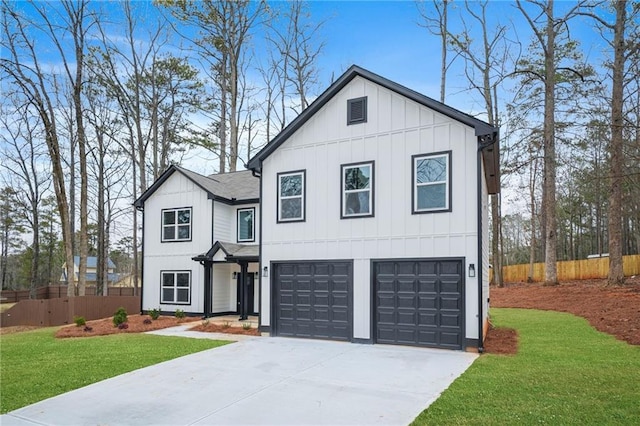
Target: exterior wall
{"points": [[177, 191], [396, 129], [225, 222], [225, 294]]}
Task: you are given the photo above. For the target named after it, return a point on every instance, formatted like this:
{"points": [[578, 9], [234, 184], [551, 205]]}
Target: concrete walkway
{"points": [[262, 381]]}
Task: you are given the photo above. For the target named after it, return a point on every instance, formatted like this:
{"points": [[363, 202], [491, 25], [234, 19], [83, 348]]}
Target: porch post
{"points": [[208, 290], [244, 266]]}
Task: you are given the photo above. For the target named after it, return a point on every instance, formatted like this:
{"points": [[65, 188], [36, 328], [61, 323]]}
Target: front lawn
{"points": [[565, 372], [36, 366]]}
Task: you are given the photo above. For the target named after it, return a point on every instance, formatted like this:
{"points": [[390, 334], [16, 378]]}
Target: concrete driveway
{"points": [[262, 381]]}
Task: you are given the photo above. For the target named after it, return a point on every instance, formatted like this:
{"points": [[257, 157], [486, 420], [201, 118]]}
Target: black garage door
{"points": [[313, 299], [419, 302]]}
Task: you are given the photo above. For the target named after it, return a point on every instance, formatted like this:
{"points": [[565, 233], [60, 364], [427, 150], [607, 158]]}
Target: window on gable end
{"points": [[357, 110], [357, 190], [291, 196], [431, 182]]}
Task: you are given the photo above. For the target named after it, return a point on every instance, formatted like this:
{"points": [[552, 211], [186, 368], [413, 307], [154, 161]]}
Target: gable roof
{"points": [[232, 252], [482, 129], [230, 188]]}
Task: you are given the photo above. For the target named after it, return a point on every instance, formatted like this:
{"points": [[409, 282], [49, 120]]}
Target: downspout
{"points": [[259, 176], [482, 145], [141, 209]]}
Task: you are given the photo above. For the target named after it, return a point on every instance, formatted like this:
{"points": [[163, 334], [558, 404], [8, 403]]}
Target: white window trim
{"points": [[174, 287], [291, 197], [447, 181], [343, 168], [176, 225], [253, 225]]}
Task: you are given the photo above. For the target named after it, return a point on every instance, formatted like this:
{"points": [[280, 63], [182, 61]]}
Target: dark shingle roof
{"points": [[232, 251], [231, 188]]}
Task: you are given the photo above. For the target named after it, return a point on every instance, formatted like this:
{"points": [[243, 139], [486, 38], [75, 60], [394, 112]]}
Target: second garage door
{"points": [[313, 299], [419, 302]]}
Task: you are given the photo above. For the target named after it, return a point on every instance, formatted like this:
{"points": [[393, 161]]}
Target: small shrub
{"points": [[147, 321], [205, 322], [120, 317], [154, 314], [88, 329], [246, 326], [226, 324], [123, 326], [180, 314], [80, 321]]}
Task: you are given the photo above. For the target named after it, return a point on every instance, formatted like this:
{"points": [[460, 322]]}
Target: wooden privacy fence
{"points": [[53, 291], [62, 310], [570, 269]]}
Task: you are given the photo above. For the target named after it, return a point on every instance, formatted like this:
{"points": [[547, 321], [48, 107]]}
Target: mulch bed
{"points": [[218, 328], [135, 324], [611, 309]]}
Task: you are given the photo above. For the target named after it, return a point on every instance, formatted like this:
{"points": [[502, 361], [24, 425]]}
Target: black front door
{"points": [[250, 294]]}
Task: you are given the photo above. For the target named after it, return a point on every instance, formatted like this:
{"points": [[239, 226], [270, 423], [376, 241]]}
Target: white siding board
{"points": [[396, 129]]}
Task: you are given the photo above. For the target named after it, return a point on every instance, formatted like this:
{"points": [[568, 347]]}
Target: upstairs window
{"points": [[357, 190], [357, 110], [176, 287], [432, 182], [291, 196], [246, 225], [176, 224]]}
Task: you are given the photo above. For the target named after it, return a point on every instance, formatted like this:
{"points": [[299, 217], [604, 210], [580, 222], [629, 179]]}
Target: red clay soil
{"points": [[501, 341], [611, 309]]}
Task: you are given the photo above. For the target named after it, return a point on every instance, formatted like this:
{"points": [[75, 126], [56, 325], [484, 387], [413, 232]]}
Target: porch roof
{"points": [[230, 252]]}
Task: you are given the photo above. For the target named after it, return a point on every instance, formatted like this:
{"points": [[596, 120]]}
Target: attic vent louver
{"points": [[357, 110]]}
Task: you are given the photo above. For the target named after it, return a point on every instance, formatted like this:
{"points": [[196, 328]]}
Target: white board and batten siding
{"points": [[396, 129], [177, 191], [225, 222]]}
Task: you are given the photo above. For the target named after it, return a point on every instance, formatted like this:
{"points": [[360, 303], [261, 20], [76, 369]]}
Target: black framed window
{"points": [[246, 225], [176, 224], [432, 182], [176, 287], [357, 182], [291, 196]]}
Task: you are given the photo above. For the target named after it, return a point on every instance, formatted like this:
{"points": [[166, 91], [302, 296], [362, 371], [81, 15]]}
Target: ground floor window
{"points": [[176, 287]]}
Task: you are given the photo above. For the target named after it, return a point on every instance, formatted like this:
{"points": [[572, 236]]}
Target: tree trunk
{"points": [[616, 273], [551, 240]]}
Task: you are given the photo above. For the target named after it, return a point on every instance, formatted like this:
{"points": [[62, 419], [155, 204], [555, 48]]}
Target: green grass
{"points": [[565, 372], [36, 366], [6, 306]]}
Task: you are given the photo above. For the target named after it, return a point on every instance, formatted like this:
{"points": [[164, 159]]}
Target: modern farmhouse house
{"points": [[374, 219], [365, 220], [200, 248]]}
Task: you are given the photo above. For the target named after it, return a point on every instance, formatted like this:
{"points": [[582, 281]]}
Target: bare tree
{"points": [[437, 22], [24, 68], [546, 27], [24, 160], [225, 30], [487, 57]]}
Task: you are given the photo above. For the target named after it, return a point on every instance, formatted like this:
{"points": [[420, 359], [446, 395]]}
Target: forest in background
{"points": [[92, 116]]}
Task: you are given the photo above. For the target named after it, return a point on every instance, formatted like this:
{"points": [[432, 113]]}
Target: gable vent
{"points": [[357, 110]]}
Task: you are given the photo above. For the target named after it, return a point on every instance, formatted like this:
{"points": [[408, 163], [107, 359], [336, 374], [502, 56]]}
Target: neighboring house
{"points": [[374, 219], [91, 275], [200, 247]]}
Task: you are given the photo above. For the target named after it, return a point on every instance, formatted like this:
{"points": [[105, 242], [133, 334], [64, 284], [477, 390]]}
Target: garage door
{"points": [[313, 299], [420, 302]]}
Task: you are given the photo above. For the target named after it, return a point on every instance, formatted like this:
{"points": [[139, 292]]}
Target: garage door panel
{"points": [[418, 302], [318, 302]]}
